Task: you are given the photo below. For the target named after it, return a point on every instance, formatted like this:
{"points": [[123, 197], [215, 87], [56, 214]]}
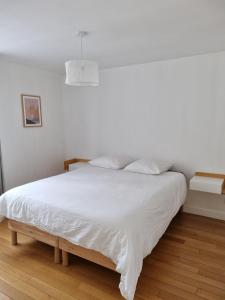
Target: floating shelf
{"points": [[213, 183]]}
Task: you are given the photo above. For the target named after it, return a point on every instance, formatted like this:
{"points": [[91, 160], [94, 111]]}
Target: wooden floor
{"points": [[188, 263]]}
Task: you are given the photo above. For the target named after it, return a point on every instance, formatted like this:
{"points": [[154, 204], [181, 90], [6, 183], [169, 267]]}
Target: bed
{"points": [[112, 217]]}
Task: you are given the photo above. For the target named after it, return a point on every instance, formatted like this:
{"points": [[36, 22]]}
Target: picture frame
{"points": [[31, 108]]}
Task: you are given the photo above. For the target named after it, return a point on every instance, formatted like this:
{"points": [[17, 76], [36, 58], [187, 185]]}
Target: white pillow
{"points": [[111, 162], [149, 166]]}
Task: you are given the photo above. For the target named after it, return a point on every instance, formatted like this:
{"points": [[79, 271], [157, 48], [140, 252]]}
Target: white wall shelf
{"points": [[208, 182]]}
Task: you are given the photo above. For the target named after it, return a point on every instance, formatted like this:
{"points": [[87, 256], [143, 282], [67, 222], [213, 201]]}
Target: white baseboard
{"points": [[216, 214]]}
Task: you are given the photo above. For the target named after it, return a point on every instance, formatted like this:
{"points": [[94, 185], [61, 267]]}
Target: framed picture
{"points": [[31, 107]]}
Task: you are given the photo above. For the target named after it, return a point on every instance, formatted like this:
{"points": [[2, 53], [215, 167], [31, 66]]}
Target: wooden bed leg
{"points": [[181, 209], [65, 258], [57, 255], [13, 238]]}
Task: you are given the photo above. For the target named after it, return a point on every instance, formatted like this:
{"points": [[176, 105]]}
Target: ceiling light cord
{"points": [[82, 34], [81, 46]]}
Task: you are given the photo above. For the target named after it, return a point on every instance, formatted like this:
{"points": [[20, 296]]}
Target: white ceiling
{"points": [[123, 32]]}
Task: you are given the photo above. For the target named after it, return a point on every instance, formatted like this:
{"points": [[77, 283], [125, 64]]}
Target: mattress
{"points": [[118, 213]]}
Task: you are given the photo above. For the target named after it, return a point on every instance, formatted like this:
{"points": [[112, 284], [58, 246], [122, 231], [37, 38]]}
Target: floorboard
{"points": [[187, 264]]}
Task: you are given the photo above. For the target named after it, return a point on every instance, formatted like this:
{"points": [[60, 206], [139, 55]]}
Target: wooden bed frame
{"points": [[36, 234], [60, 243], [85, 253]]}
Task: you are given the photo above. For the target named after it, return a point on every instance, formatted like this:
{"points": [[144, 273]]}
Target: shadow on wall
{"points": [[1, 173]]}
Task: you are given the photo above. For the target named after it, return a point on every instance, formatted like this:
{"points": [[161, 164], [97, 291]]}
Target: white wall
{"points": [[30, 153], [172, 109]]}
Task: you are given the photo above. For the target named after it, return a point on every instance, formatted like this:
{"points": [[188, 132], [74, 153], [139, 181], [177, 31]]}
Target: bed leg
{"points": [[57, 255], [181, 209], [65, 258], [13, 238]]}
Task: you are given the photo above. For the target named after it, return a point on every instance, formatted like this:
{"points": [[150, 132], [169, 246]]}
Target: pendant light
{"points": [[82, 72]]}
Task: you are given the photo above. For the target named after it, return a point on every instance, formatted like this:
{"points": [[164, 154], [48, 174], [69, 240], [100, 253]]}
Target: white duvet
{"points": [[118, 213]]}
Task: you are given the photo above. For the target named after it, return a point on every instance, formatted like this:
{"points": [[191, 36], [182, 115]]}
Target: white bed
{"points": [[118, 213]]}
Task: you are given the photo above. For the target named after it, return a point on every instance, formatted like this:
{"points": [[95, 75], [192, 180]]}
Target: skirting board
{"points": [[216, 214]]}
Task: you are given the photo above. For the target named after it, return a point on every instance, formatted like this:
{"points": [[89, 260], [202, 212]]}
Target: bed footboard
{"points": [[36, 234], [85, 253]]}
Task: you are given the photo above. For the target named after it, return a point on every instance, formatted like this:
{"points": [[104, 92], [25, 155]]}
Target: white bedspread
{"points": [[118, 213]]}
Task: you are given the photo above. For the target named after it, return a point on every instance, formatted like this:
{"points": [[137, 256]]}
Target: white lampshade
{"points": [[82, 73]]}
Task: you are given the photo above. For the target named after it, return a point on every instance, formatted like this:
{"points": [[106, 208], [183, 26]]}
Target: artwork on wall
{"points": [[31, 107]]}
